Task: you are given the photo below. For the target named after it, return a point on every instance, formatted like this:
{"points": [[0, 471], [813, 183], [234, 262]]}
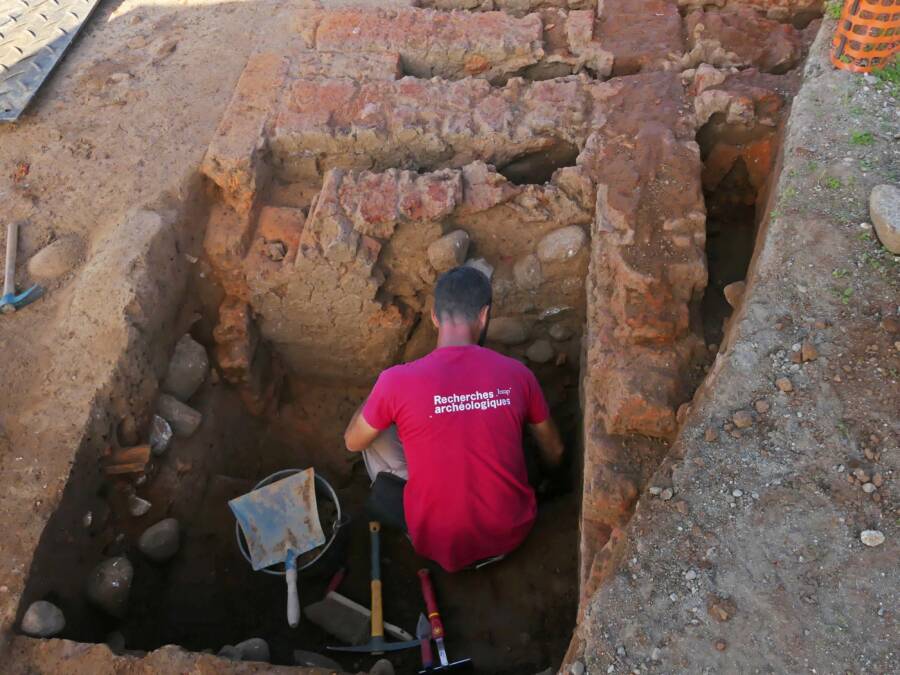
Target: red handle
{"points": [[336, 580], [427, 658], [437, 628]]}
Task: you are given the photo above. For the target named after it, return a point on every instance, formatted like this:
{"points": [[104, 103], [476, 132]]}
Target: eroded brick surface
{"points": [[425, 124], [741, 37], [652, 43], [443, 44]]}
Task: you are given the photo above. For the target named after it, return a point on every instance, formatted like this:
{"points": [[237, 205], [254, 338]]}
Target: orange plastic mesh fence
{"points": [[867, 35]]}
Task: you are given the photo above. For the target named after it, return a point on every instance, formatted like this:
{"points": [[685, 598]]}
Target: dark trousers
{"points": [[385, 502]]}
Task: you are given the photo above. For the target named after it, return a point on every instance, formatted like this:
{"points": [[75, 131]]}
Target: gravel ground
{"points": [[790, 453]]}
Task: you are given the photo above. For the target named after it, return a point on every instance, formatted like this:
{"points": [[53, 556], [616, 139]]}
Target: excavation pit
{"points": [[329, 207]]}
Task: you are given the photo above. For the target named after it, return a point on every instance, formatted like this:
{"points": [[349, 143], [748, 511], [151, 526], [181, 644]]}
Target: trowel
{"points": [[280, 521]]}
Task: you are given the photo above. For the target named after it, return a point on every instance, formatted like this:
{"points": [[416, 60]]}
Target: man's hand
{"points": [[549, 442], [359, 434]]}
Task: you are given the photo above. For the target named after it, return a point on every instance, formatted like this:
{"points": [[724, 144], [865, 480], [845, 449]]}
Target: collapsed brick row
{"points": [[556, 41]]}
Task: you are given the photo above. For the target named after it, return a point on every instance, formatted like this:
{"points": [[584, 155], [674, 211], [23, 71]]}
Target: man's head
{"points": [[462, 304]]}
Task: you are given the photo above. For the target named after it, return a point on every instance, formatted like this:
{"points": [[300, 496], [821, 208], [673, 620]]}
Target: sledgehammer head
{"points": [[11, 302]]}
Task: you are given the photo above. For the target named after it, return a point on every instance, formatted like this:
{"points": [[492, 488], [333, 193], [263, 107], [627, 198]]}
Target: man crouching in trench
{"points": [[442, 436]]}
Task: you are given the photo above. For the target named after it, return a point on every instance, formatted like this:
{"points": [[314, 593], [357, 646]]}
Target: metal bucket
{"points": [[330, 552]]}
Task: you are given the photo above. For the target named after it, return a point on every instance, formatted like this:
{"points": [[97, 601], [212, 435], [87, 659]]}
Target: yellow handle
{"points": [[377, 614]]}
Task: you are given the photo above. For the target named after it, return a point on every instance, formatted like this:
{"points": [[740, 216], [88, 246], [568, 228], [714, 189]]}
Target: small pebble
{"points": [[254, 649], [737, 493], [43, 619], [577, 668], [655, 490], [710, 435], [690, 575], [871, 537], [784, 384], [721, 645], [762, 406], [666, 494], [138, 507], [742, 419], [868, 488]]}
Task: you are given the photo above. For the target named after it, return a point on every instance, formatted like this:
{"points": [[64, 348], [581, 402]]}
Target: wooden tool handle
{"points": [[293, 599], [377, 610], [12, 243], [437, 628]]}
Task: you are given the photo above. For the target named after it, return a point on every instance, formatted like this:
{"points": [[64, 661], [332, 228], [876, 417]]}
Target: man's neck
{"points": [[451, 337]]}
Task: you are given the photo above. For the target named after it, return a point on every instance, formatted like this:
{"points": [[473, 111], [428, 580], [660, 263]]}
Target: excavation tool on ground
{"points": [[437, 628], [423, 632], [345, 619], [377, 644], [280, 521], [10, 302]]}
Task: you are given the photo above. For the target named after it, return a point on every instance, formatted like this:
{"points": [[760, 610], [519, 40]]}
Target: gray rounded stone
{"points": [[884, 210], [382, 667], [449, 251], [527, 272], [561, 244], [161, 541], [315, 660], [109, 585], [540, 351], [254, 649], [482, 266], [229, 652], [183, 418], [43, 619], [55, 260], [116, 642], [507, 330], [560, 332], [188, 368]]}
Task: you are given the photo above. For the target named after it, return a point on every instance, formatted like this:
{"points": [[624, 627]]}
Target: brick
{"points": [[361, 67], [777, 10], [741, 37], [236, 340], [648, 266], [585, 46], [437, 44], [227, 239], [427, 124], [234, 159], [282, 224], [652, 43]]}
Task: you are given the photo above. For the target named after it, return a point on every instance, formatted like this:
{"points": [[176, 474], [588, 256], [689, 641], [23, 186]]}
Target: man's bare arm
{"points": [[359, 434], [549, 442]]}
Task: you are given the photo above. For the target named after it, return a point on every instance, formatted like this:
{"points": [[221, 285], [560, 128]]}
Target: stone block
{"points": [[449, 251], [323, 64]]}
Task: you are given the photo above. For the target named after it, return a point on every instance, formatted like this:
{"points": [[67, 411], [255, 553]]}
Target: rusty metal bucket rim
{"points": [[335, 526]]}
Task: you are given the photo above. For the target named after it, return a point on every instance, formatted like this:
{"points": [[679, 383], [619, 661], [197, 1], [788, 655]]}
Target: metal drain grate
{"points": [[33, 36]]}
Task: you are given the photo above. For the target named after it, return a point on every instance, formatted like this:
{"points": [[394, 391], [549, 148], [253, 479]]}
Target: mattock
{"points": [[10, 302]]}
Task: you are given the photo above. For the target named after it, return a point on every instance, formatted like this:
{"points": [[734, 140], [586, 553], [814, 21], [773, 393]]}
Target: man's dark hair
{"points": [[461, 293]]}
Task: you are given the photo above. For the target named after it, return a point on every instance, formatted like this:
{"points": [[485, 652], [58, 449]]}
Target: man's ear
{"points": [[434, 319], [483, 316]]}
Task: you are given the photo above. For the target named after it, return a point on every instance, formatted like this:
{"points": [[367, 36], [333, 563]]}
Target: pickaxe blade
{"points": [[11, 302]]}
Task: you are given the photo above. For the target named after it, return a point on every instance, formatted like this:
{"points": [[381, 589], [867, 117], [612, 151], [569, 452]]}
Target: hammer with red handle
{"points": [[437, 629]]}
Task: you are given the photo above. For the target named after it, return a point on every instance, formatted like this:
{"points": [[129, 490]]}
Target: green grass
{"points": [[862, 138], [833, 9], [833, 182], [889, 76]]}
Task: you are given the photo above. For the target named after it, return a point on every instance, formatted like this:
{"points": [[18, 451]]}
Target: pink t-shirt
{"points": [[460, 413]]}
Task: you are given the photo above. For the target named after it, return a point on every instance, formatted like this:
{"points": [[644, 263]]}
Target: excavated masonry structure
{"points": [[580, 154], [395, 143]]}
